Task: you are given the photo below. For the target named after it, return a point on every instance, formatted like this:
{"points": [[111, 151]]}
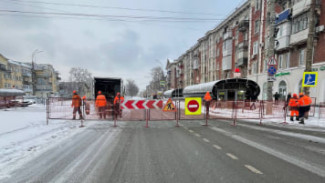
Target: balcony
{"points": [[26, 74], [196, 64], [243, 25], [283, 16], [300, 7], [283, 37], [243, 45], [299, 37], [43, 75], [242, 58], [227, 63], [227, 35]]}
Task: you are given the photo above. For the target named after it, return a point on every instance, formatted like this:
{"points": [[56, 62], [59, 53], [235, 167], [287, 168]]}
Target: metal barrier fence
{"points": [[60, 108]]}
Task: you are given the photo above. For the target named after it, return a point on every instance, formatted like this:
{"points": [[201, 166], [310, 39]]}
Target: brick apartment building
{"points": [[240, 41]]}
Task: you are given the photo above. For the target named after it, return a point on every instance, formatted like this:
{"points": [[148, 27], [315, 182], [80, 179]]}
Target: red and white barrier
{"points": [[142, 104]]}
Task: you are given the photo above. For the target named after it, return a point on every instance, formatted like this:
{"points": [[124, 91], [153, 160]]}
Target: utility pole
{"points": [[310, 41], [270, 24]]}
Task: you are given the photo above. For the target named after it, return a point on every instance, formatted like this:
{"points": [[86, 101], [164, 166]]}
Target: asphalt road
{"points": [[190, 153]]}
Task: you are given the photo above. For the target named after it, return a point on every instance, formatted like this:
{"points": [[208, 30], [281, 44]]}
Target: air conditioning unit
{"points": [[320, 28]]}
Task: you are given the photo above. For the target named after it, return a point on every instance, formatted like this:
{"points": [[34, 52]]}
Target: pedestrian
{"points": [[304, 107], [207, 98], [117, 101], [76, 103], [86, 105], [101, 104], [276, 97], [293, 107]]}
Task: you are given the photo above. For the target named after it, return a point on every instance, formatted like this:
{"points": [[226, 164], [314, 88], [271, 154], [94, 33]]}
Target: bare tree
{"points": [[131, 88], [78, 75], [157, 74]]}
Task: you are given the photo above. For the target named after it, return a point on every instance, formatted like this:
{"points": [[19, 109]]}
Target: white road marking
{"points": [[191, 131], [251, 168], [206, 140], [217, 147], [198, 135], [232, 156], [319, 170]]}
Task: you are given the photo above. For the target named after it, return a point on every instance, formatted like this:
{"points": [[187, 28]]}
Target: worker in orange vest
{"points": [[117, 101], [76, 103], [304, 107], [293, 107], [207, 98], [101, 104]]}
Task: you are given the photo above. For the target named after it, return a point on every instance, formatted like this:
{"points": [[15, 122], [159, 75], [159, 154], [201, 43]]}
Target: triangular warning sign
{"points": [[169, 106]]}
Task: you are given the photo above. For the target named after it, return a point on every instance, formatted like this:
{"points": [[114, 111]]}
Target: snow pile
{"points": [[24, 135]]}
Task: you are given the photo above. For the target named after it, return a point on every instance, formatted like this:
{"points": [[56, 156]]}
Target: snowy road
{"points": [[191, 153]]}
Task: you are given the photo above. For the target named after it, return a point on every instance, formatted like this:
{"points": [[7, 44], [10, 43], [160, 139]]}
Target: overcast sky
{"points": [[123, 46]]}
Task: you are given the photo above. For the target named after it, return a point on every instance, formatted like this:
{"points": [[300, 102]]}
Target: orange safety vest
{"points": [[118, 99], [76, 101], [101, 101], [304, 101], [293, 104]]}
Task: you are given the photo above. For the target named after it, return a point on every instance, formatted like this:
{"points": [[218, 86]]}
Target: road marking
{"points": [[198, 135], [285, 157], [232, 156], [251, 168], [206, 140], [191, 131], [216, 146]]}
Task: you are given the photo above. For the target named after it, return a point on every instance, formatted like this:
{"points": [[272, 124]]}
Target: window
{"points": [[257, 4], [257, 26], [255, 48], [282, 89], [254, 68], [300, 23], [302, 57], [280, 60]]}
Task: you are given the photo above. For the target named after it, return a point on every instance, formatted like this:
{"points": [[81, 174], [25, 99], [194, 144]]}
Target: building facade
{"points": [[19, 75], [241, 41]]}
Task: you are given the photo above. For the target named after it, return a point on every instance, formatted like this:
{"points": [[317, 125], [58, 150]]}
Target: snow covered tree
{"points": [[131, 88]]}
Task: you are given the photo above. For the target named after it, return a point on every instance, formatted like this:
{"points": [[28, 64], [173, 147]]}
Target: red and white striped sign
{"points": [[142, 104]]}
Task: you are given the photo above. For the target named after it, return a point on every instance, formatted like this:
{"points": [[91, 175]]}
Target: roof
{"points": [[11, 92], [200, 88]]}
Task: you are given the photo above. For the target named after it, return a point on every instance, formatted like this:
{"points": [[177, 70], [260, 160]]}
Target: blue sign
{"points": [[309, 79], [271, 70]]}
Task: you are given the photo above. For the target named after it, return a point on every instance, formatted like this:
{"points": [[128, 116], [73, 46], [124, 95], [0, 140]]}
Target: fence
{"points": [[60, 108]]}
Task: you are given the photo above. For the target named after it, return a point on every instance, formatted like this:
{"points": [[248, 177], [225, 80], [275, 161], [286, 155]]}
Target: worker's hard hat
{"points": [[84, 97], [74, 91], [301, 94], [118, 93], [99, 92], [294, 95]]}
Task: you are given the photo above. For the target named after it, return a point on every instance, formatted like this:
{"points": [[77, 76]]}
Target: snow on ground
{"points": [[24, 135]]}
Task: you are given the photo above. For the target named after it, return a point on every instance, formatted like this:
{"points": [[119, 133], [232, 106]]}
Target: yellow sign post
{"points": [[169, 106], [193, 106]]}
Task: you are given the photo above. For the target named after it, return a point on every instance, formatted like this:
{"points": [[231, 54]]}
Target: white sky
{"points": [[118, 47]]}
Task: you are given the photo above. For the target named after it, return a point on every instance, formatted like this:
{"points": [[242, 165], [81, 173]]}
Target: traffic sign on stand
{"points": [[271, 70], [309, 79], [169, 106], [271, 78], [193, 106], [272, 61]]}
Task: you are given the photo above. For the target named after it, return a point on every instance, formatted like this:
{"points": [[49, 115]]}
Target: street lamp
{"points": [[33, 69]]}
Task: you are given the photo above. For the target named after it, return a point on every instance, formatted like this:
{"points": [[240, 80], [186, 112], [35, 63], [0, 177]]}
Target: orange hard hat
{"points": [[99, 92], [84, 97], [301, 94], [294, 95], [74, 91], [118, 93]]}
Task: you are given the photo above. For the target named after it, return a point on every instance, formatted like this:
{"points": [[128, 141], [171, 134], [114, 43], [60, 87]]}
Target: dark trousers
{"points": [[75, 110], [102, 113], [303, 110], [117, 110]]}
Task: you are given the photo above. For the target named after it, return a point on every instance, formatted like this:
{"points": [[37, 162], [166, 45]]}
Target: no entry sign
{"points": [[193, 106]]}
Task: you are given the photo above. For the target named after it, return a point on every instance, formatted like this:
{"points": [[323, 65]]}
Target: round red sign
{"points": [[193, 105]]}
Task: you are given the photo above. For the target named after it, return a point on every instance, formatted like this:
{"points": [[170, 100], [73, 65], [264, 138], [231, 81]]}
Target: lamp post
{"points": [[33, 70]]}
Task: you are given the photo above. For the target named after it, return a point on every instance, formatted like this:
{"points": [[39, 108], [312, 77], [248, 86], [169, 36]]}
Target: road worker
{"points": [[304, 106], [86, 105], [293, 107], [207, 98], [117, 101], [101, 104], [76, 103]]}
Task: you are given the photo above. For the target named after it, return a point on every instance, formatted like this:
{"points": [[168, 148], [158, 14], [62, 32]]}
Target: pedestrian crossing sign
{"points": [[169, 106], [309, 79]]}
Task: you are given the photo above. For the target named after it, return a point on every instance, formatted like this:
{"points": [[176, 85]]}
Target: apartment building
{"points": [[241, 41], [18, 75]]}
